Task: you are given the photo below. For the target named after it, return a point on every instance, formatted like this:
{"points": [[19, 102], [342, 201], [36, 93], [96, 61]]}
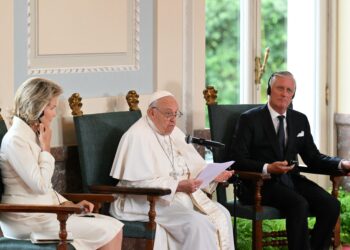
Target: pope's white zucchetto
{"points": [[157, 95]]}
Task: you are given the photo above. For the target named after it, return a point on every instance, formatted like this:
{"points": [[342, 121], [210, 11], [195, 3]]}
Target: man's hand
{"points": [[224, 176], [345, 165], [188, 186], [279, 167]]}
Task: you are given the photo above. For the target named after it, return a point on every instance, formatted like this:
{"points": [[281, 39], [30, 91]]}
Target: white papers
{"points": [[48, 237], [211, 171]]}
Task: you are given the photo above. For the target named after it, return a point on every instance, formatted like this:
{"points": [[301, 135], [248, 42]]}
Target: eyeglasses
{"points": [[168, 114]]}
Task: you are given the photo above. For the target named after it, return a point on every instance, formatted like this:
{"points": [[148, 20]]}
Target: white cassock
{"points": [[147, 159]]}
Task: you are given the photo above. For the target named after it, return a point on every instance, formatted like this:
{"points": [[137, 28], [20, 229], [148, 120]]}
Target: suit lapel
{"points": [[269, 129]]}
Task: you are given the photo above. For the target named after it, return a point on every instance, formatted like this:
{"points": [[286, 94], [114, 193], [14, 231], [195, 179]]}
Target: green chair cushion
{"points": [[247, 212], [98, 136], [137, 229], [10, 244]]}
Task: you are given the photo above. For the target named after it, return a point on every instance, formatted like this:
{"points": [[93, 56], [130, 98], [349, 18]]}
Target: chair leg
{"points": [[151, 216], [149, 244], [336, 234], [335, 191], [257, 235], [62, 218]]}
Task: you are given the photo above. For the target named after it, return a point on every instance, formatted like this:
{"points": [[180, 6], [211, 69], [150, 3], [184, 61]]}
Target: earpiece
{"points": [[41, 115], [268, 90]]}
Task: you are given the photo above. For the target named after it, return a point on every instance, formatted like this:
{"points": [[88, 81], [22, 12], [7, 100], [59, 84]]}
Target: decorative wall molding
{"points": [[68, 60]]}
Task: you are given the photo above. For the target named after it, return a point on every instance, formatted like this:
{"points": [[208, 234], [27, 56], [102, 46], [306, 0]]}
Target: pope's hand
{"points": [[224, 176], [188, 186]]}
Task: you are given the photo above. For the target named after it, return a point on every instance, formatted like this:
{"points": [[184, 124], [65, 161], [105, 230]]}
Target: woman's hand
{"points": [[188, 186], [45, 134], [88, 206], [224, 176]]}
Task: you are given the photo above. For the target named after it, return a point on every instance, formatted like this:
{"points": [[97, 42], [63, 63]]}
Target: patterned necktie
{"points": [[285, 178]]}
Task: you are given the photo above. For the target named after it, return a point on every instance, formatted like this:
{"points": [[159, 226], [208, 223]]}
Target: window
{"points": [[223, 48], [239, 31], [273, 35]]}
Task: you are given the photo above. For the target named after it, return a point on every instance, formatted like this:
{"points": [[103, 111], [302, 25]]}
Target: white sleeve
{"points": [[161, 182], [36, 173], [211, 187], [264, 170]]}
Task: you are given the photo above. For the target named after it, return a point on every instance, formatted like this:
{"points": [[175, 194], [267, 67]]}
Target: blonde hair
{"points": [[32, 97]]}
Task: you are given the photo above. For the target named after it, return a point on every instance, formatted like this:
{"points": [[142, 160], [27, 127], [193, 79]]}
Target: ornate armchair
{"points": [[222, 120], [62, 216], [98, 136]]}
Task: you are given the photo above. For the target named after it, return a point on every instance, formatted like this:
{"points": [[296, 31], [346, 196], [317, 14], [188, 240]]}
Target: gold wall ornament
{"points": [[75, 104], [210, 95], [260, 68], [132, 98]]}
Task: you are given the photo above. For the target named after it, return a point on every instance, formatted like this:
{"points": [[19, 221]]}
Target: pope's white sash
{"points": [[216, 216]]}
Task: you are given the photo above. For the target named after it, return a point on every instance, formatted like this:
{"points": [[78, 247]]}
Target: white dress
{"points": [[147, 159], [26, 174]]}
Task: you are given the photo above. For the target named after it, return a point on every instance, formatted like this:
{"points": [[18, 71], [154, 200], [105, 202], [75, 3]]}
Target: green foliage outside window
{"points": [[223, 44], [274, 36], [222, 48]]}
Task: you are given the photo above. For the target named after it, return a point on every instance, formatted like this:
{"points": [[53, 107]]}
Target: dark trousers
{"points": [[296, 204]]}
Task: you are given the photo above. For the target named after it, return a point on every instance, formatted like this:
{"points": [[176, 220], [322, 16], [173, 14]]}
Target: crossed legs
{"points": [[296, 204]]}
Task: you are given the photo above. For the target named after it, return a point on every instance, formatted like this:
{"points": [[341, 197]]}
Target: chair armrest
{"points": [[152, 195], [96, 199], [77, 197], [19, 208], [62, 215], [102, 189], [258, 179], [322, 171], [253, 176]]}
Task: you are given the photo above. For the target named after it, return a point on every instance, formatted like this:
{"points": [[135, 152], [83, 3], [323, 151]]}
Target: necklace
{"points": [[173, 173]]}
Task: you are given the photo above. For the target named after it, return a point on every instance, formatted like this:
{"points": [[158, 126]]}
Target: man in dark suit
{"points": [[269, 137]]}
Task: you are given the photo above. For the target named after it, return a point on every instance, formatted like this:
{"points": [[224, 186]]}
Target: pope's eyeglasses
{"points": [[169, 114]]}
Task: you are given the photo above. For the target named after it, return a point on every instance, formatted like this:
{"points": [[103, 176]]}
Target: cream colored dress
{"points": [[147, 159], [26, 174]]}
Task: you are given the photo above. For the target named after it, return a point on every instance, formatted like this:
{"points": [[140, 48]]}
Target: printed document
{"points": [[211, 171]]}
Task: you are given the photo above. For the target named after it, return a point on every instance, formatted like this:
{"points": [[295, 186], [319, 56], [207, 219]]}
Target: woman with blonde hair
{"points": [[27, 168]]}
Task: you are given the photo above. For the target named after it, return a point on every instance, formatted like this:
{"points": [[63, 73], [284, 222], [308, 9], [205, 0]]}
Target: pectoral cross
{"points": [[174, 175]]}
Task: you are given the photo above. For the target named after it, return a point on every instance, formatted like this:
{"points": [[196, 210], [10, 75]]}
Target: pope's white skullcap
{"points": [[157, 95]]}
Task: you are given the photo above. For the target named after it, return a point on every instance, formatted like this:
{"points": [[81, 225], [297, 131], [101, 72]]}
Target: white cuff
{"points": [[264, 171]]}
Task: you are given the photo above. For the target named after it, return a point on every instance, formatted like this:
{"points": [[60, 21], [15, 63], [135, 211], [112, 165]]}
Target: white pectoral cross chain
{"points": [[170, 155]]}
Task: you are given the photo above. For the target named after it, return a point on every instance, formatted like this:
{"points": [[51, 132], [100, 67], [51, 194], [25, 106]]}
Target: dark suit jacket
{"points": [[255, 142]]}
